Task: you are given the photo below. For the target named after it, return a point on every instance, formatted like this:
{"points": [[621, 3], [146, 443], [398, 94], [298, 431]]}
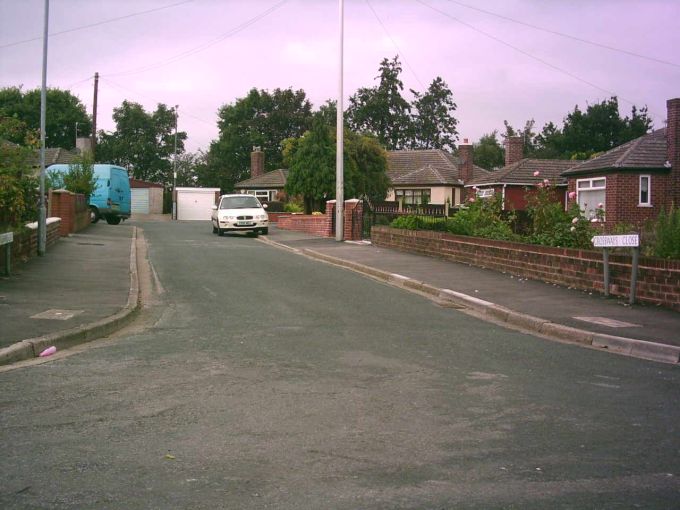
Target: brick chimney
{"points": [[465, 169], [256, 162], [673, 144], [514, 149]]}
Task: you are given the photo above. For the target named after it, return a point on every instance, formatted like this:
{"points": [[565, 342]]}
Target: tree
{"points": [[369, 164], [63, 112], [144, 143], [263, 119], [433, 125], [488, 152], [527, 134], [382, 111]]}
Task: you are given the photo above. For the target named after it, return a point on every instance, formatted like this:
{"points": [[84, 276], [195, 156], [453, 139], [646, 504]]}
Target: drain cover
{"points": [[60, 315]]}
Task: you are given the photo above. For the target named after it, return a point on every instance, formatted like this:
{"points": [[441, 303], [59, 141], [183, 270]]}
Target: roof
{"points": [[428, 167], [138, 183], [54, 157], [522, 172], [644, 153], [273, 179]]}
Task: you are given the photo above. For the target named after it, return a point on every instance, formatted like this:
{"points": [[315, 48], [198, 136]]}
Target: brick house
{"points": [[431, 175], [520, 177], [267, 186], [633, 181]]}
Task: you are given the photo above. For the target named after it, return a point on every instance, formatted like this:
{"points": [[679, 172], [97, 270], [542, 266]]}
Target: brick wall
{"points": [[72, 208], [322, 224], [25, 245], [658, 279]]}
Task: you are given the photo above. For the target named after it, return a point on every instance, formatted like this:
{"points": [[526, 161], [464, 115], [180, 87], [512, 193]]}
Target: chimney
{"points": [[514, 149], [465, 168], [256, 162], [673, 144]]}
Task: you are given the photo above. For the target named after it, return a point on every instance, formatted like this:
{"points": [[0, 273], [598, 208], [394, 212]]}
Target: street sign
{"points": [[7, 237], [628, 241]]}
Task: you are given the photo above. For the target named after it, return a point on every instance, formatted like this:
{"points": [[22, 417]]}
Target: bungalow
{"points": [[520, 177], [633, 181], [431, 176], [267, 186]]}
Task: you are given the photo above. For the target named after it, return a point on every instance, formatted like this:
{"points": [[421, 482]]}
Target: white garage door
{"points": [[140, 200], [195, 204]]}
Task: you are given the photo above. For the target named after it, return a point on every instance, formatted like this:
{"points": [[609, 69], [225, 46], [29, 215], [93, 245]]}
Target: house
{"points": [[431, 176], [267, 186], [417, 176], [633, 181], [521, 177]]}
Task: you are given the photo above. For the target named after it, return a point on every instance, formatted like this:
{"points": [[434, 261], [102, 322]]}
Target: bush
{"points": [[19, 195], [293, 207], [667, 232]]}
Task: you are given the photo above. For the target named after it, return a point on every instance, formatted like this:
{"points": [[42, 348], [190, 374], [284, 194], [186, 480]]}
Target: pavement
{"points": [[86, 287]]}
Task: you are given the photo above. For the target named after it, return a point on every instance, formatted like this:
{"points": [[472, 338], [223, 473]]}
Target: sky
{"points": [[502, 59]]}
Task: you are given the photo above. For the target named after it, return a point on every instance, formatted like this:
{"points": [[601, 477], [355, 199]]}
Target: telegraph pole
{"points": [[42, 215], [94, 115], [174, 172], [339, 150]]}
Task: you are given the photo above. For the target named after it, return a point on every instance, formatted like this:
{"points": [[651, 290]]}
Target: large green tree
{"points": [[144, 143], [262, 119], [488, 152], [382, 111], [433, 123], [63, 112]]}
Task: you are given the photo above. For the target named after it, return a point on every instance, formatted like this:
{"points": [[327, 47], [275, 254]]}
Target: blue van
{"points": [[111, 197]]}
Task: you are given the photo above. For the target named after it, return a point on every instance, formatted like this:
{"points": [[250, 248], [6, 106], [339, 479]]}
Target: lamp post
{"points": [[76, 135], [174, 172], [42, 215], [339, 149]]}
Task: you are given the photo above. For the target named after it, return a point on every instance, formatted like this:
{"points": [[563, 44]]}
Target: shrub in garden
{"points": [[667, 234]]}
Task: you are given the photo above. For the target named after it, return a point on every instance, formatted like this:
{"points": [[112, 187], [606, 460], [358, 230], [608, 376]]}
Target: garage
{"points": [[146, 197], [196, 203]]}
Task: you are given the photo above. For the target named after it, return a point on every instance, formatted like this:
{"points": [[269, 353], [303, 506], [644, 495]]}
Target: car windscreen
{"points": [[242, 202]]}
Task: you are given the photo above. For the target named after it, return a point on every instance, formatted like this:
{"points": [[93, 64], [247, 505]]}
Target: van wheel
{"points": [[94, 215], [113, 220]]}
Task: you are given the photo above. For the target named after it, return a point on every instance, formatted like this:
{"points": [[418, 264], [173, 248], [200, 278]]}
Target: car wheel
{"points": [[94, 215], [214, 229], [265, 231], [113, 220], [220, 232]]}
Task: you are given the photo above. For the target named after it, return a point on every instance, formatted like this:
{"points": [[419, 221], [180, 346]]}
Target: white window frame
{"points": [[648, 203], [486, 193], [588, 185]]}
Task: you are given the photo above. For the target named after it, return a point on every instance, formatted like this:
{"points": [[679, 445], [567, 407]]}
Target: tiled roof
{"points": [[273, 179], [54, 156], [646, 152], [426, 167], [522, 172]]}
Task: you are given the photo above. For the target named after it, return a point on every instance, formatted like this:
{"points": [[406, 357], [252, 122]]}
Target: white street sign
{"points": [[629, 240]]}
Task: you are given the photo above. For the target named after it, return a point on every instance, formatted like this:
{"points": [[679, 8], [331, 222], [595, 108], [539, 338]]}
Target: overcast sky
{"points": [[202, 54]]}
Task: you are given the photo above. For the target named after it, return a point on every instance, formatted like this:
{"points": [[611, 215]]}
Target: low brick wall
{"points": [[658, 279], [72, 208], [317, 225], [25, 244], [274, 217]]}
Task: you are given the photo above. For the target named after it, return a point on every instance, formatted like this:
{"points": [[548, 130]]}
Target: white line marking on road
{"points": [[611, 323]]}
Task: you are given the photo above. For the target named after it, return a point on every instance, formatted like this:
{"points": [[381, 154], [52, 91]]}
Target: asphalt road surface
{"points": [[258, 378]]}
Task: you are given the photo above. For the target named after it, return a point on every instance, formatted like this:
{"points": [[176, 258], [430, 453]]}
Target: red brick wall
{"points": [[73, 210], [322, 224], [25, 245], [673, 137], [658, 279]]}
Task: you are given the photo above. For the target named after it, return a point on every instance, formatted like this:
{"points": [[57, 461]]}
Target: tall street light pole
{"points": [[340, 146], [174, 172], [42, 215]]}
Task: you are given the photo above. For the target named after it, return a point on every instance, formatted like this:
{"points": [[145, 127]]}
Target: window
{"points": [[645, 195], [413, 196], [591, 195], [265, 195], [485, 193]]}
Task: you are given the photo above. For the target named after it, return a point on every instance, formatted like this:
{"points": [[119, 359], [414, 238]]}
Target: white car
{"points": [[239, 213]]}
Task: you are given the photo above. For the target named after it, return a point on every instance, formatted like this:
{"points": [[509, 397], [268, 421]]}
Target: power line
{"points": [[526, 53], [568, 36], [204, 46], [99, 23], [395, 44]]}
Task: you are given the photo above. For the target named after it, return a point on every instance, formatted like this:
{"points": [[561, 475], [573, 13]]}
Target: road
{"points": [[258, 378]]}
